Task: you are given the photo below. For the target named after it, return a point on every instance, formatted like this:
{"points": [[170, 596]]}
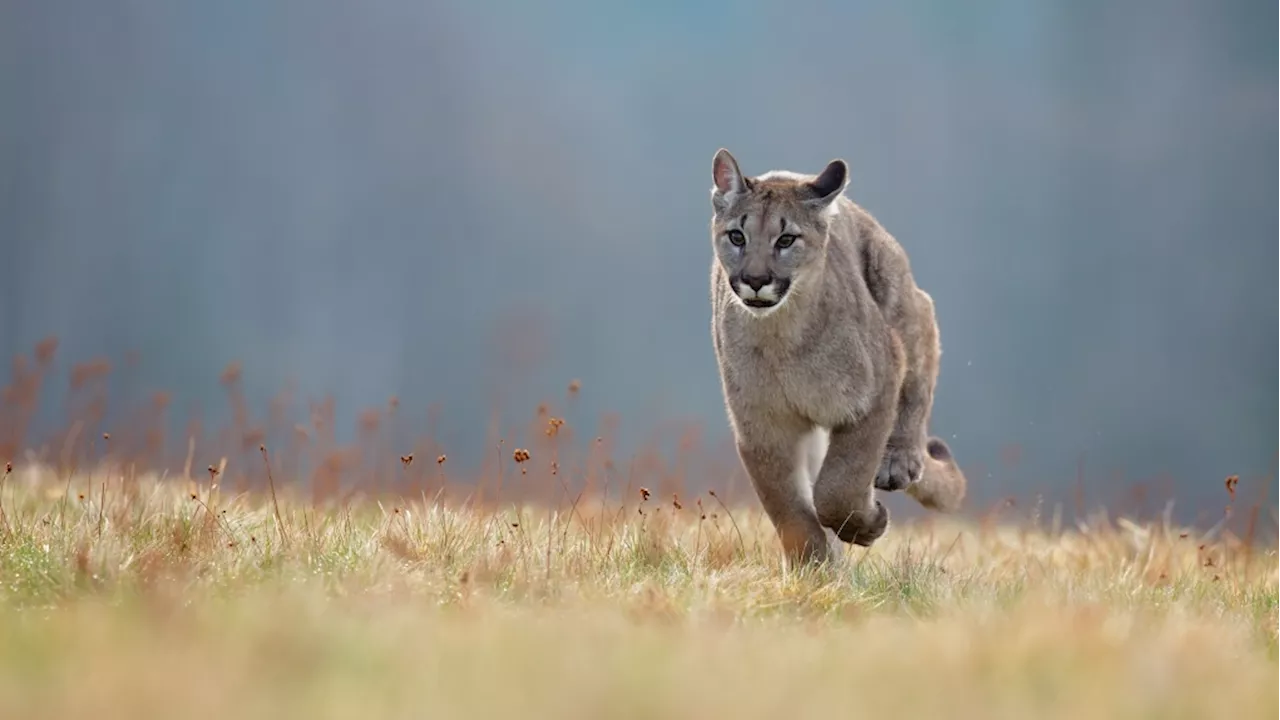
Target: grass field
{"points": [[139, 598]]}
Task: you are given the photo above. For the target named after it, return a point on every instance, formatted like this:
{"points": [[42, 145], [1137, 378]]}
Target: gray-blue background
{"points": [[383, 198]]}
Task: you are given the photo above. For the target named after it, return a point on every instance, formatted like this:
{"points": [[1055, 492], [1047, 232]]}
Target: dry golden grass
{"points": [[155, 599]]}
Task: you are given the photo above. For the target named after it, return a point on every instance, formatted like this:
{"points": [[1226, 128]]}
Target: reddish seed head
{"points": [[1231, 483], [407, 459], [231, 373], [553, 426], [440, 460], [106, 436], [520, 455], [575, 386], [213, 471], [8, 468], [644, 493], [45, 350]]}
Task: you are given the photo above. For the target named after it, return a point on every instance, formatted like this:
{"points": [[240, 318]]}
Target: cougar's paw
{"points": [[863, 528], [868, 533], [901, 466]]}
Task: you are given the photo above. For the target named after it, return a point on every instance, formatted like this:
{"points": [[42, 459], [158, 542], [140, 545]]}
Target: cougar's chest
{"points": [[797, 372], [827, 377], [783, 376]]}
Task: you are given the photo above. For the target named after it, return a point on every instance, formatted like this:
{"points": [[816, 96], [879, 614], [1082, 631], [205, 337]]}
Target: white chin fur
{"points": [[768, 293]]}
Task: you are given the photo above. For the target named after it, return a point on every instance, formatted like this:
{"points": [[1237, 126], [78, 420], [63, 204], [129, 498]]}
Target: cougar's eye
{"points": [[737, 238], [784, 241]]}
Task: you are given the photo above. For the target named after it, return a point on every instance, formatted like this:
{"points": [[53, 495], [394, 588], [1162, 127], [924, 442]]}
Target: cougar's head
{"points": [[770, 231]]}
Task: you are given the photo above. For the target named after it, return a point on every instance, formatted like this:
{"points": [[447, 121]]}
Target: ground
{"points": [[136, 597]]}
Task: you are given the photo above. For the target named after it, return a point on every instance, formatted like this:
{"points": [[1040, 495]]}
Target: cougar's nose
{"points": [[755, 282]]}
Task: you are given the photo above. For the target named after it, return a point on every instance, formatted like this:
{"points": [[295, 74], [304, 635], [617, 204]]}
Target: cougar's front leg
{"points": [[904, 452], [844, 495], [780, 459]]}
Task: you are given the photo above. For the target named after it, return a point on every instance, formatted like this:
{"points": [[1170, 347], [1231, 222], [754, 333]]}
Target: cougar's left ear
{"points": [[832, 181], [728, 181]]}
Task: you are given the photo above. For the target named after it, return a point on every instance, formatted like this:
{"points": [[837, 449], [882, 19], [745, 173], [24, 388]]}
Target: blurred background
{"points": [[455, 203]]}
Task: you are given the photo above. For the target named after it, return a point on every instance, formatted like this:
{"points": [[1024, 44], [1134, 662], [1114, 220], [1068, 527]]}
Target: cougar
{"points": [[828, 358]]}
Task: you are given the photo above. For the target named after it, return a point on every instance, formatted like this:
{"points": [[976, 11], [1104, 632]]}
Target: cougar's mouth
{"points": [[768, 296]]}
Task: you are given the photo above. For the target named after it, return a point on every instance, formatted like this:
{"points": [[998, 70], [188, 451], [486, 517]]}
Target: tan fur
{"points": [[823, 345], [942, 485]]}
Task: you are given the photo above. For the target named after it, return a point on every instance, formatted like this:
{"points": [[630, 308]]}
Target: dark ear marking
{"points": [[938, 449], [829, 183]]}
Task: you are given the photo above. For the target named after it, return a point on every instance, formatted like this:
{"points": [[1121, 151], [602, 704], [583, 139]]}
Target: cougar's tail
{"points": [[942, 485]]}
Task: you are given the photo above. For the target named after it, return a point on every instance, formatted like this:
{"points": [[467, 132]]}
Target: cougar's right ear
{"points": [[832, 181], [728, 180]]}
